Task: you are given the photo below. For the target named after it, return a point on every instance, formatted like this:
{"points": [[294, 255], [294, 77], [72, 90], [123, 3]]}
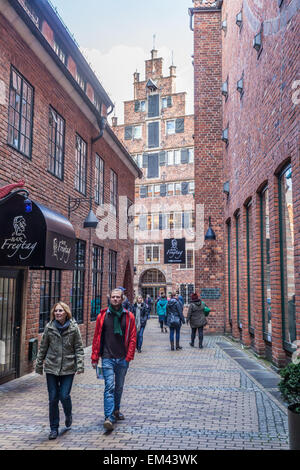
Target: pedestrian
{"points": [[114, 341], [126, 304], [180, 298], [61, 355], [139, 309], [174, 319], [161, 308], [197, 319], [148, 302]]}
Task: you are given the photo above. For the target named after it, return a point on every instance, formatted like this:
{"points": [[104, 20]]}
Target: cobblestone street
{"points": [[219, 397]]}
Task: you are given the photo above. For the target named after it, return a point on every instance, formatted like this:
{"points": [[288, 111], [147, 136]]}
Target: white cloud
{"points": [[115, 71]]}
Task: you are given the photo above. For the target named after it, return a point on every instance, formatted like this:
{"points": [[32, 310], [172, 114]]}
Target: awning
{"points": [[39, 239]]}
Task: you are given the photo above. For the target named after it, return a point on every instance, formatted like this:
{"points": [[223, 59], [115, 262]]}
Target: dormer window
{"points": [[59, 51], [80, 80], [151, 85]]}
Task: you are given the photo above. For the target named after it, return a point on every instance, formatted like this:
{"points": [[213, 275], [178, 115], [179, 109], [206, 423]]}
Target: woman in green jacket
{"points": [[62, 353], [161, 308]]}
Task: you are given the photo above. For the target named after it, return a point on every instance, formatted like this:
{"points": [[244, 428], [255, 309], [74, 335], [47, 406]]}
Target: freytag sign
{"points": [[26, 238], [174, 250]]}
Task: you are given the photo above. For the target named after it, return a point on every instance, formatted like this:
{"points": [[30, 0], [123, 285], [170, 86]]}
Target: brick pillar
{"points": [[209, 259]]}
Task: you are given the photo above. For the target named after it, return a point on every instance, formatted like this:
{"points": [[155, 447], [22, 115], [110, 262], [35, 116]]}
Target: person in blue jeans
{"points": [[114, 341], [61, 356], [140, 311], [174, 320]]}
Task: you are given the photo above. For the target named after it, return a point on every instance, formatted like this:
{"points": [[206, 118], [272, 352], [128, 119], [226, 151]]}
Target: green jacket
{"points": [[63, 354]]}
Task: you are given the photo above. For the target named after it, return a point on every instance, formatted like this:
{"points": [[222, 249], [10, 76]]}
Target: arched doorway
{"points": [[152, 282]]}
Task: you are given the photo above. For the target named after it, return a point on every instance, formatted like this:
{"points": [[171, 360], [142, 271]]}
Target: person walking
{"points": [[126, 304], [139, 309], [148, 302], [174, 320], [197, 319], [60, 355], [114, 341], [161, 308]]}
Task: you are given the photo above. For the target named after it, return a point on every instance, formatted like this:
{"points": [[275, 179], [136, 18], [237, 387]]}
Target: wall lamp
{"points": [[210, 234], [239, 19], [91, 220], [225, 135], [225, 89], [24, 193], [240, 86], [224, 26], [257, 42]]}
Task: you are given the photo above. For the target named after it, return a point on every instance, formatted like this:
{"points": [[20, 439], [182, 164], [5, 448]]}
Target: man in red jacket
{"points": [[115, 342]]}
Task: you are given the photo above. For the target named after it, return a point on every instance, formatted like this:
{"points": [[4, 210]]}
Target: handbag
{"points": [[206, 309], [174, 321]]}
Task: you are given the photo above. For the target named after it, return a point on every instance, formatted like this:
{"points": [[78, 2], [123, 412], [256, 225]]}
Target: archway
{"points": [[152, 282]]}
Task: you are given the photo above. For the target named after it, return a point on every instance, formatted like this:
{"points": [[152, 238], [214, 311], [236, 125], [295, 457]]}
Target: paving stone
{"points": [[211, 398]]}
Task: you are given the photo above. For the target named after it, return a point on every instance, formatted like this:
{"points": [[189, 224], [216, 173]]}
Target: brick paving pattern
{"points": [[188, 399]]}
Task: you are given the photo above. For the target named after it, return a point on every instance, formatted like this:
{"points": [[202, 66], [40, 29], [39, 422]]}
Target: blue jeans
{"points": [[172, 329], [59, 388], [140, 338], [114, 372]]}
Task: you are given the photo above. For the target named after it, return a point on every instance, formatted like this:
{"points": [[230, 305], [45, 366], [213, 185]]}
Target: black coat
{"points": [[144, 313], [196, 315], [174, 307]]}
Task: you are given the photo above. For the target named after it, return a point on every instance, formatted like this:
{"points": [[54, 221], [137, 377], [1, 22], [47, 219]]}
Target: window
{"points": [[167, 102], [77, 293], [177, 157], [132, 132], [228, 268], [112, 270], [170, 157], [97, 103], [170, 189], [49, 294], [180, 156], [80, 80], [32, 13], [140, 106], [58, 49], [265, 264], [99, 180], [137, 132], [250, 260], [287, 250], [152, 254], [20, 112], [170, 127], [139, 160], [153, 105], [113, 191], [237, 255], [189, 260], [186, 290], [153, 165], [153, 134], [80, 165], [97, 281], [56, 144]]}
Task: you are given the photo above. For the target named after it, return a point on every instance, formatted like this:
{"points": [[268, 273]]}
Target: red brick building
{"points": [[53, 135], [159, 135], [247, 85]]}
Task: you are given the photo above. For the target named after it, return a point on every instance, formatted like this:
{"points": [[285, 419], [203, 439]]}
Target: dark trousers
{"points": [[59, 389], [177, 332], [200, 334]]}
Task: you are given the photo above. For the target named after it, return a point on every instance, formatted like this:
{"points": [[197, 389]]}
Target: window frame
{"points": [[263, 254], [80, 165], [12, 89], [97, 279], [112, 269], [50, 278], [113, 191], [78, 282], [56, 148], [99, 175]]}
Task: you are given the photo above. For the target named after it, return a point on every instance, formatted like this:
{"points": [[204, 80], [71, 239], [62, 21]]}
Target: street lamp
{"points": [[91, 220], [210, 234]]}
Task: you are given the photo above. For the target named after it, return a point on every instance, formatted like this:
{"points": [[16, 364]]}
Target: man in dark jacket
{"points": [[174, 320], [114, 341]]}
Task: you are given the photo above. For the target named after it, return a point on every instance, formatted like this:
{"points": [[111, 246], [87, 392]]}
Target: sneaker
{"points": [[68, 422], [108, 425], [119, 416], [53, 434]]}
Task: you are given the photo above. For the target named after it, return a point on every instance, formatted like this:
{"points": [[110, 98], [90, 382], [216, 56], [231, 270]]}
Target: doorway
{"points": [[151, 283], [10, 323]]}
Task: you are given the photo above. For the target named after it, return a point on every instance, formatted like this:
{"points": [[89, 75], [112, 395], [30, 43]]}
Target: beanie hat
{"points": [[194, 297]]}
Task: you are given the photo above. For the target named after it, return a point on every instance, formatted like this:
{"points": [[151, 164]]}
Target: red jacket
{"points": [[130, 336]]}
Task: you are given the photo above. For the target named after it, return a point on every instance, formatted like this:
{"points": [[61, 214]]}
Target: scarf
{"points": [[117, 319], [61, 328]]}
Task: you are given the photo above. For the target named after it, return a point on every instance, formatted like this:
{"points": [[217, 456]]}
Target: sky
{"points": [[116, 37]]}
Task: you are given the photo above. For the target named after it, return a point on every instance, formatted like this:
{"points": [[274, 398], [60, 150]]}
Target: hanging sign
{"points": [[174, 250]]}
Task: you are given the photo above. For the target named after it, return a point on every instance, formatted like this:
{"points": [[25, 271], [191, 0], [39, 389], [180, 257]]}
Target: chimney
{"points": [[154, 54], [172, 70], [136, 77], [114, 121]]}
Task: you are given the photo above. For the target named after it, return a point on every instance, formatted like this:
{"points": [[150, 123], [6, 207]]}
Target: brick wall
{"points": [[49, 190]]}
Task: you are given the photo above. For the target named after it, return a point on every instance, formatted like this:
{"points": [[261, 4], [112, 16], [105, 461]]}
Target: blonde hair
{"points": [[64, 306]]}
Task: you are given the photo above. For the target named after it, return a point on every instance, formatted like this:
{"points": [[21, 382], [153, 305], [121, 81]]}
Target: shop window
{"points": [[56, 144], [97, 279], [20, 114], [77, 293], [265, 264], [287, 249], [49, 295]]}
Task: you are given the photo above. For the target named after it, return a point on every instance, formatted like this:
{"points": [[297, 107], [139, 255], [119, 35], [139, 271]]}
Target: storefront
{"points": [[37, 239]]}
